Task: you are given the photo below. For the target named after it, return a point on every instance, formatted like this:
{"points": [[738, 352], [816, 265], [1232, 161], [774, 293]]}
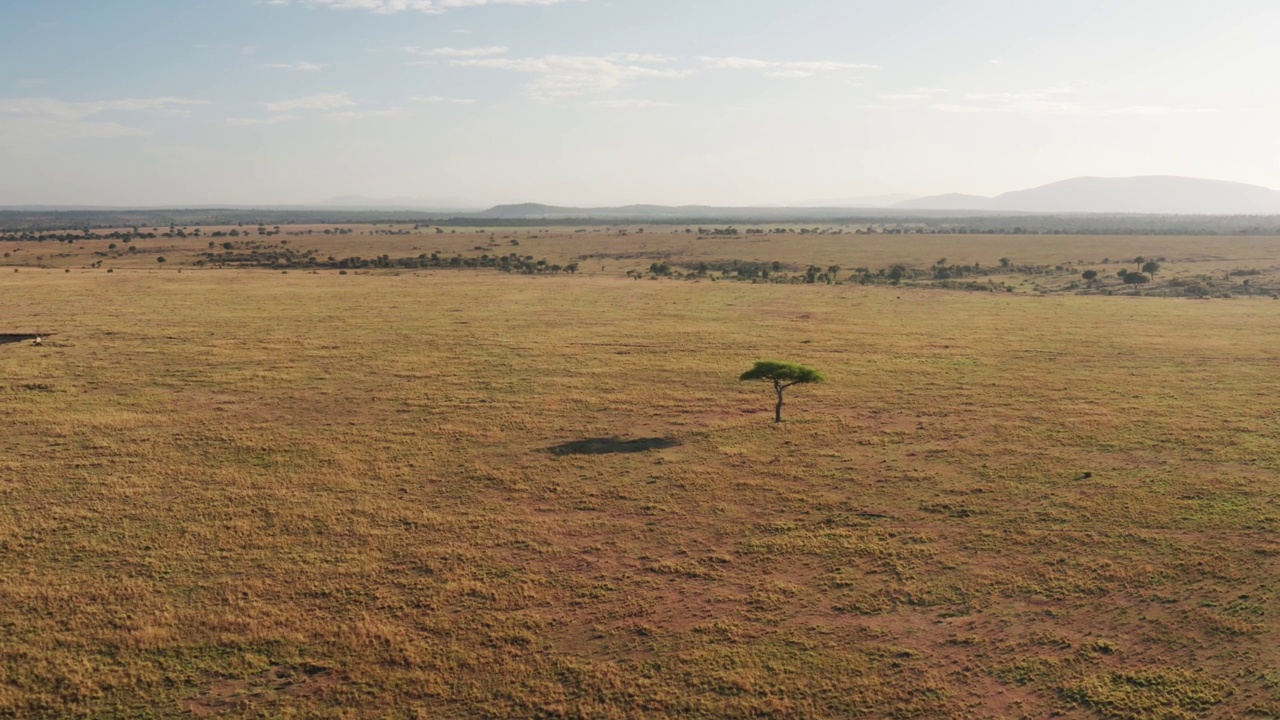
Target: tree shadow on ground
{"points": [[5, 339], [610, 446]]}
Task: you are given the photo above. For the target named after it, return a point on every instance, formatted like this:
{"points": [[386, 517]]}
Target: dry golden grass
{"points": [[247, 494]]}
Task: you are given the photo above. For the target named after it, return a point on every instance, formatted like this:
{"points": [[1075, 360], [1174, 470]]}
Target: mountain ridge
{"points": [[1144, 194], [702, 213]]}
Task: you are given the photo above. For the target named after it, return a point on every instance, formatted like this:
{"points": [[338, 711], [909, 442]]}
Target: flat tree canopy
{"points": [[783, 375]]}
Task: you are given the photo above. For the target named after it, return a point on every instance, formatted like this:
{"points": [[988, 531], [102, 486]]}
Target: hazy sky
{"points": [[586, 102]]}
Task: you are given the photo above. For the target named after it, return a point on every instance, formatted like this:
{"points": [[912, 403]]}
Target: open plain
{"points": [[428, 492]]}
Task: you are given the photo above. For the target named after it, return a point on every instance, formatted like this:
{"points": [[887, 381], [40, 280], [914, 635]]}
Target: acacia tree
{"points": [[783, 375]]}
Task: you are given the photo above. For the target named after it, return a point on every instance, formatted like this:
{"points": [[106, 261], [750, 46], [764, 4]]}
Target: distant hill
{"points": [[1156, 194], [950, 201], [862, 201], [361, 202], [683, 213], [636, 212]]}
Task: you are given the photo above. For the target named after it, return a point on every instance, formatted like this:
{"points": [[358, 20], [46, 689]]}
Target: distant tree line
{"points": [[12, 221], [78, 236], [941, 273], [281, 257]]}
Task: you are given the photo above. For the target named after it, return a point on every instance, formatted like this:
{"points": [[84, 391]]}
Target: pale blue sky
{"points": [[588, 102]]}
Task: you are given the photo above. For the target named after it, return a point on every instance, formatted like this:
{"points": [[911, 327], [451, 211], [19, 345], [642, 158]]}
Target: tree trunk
{"points": [[777, 411]]}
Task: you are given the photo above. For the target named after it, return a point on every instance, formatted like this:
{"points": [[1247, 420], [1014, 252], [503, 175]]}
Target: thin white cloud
{"points": [[24, 120], [391, 7], [63, 110], [1042, 94], [645, 58], [1032, 107], [632, 104], [333, 106], [25, 131], [439, 100], [1058, 100], [563, 76], [787, 68], [273, 120], [458, 52], [364, 114], [300, 66], [912, 95], [323, 101]]}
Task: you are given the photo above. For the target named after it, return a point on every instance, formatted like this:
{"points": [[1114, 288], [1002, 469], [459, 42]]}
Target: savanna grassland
{"points": [[1212, 266], [467, 493]]}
